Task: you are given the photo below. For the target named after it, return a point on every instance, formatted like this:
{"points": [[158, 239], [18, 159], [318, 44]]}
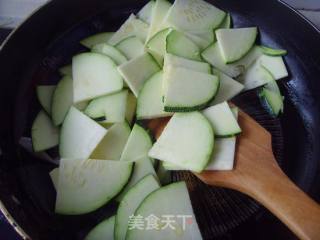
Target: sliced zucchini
{"points": [[272, 101], [187, 90], [138, 70], [159, 11], [43, 133], [79, 135], [142, 168], [226, 22], [202, 40], [274, 65], [212, 55], [157, 44], [170, 200], [131, 107], [223, 122], [44, 94], [235, 43], [130, 202], [110, 51], [177, 142], [228, 88], [145, 13], [103, 230], [112, 145], [54, 175], [62, 100], [138, 144], [180, 45], [90, 41], [175, 61], [81, 105], [131, 47], [86, 185], [194, 15], [150, 103], [131, 27], [66, 70], [94, 75], [111, 108], [273, 52]]}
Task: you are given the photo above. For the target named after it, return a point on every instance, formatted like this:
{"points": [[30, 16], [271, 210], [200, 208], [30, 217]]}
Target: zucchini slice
{"points": [[223, 122], [175, 61], [212, 55], [180, 45], [145, 13], [202, 40], [272, 101], [66, 70], [187, 90], [130, 202], [177, 142], [86, 185], [103, 230], [79, 135], [94, 75], [131, 107], [98, 38], [138, 70], [157, 44], [170, 200], [150, 103], [273, 52], [43, 133], [110, 51], [62, 100], [131, 47], [194, 16], [228, 88], [44, 94], [111, 108], [235, 43], [112, 145], [226, 22], [274, 65]]}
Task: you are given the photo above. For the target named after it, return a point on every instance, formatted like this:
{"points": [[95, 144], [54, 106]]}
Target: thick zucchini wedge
{"points": [[110, 51], [98, 38], [44, 94], [145, 13], [175, 61], [131, 47]]}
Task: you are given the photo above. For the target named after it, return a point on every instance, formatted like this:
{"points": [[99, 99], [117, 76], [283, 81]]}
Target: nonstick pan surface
{"points": [[48, 39]]}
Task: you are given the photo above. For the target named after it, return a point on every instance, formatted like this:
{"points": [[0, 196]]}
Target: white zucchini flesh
{"points": [[130, 202], [194, 15], [138, 70], [44, 94], [86, 185], [212, 55], [131, 47], [180, 45], [111, 108], [103, 230], [131, 27], [43, 133], [62, 100], [274, 65], [223, 122], [113, 143], [81, 105], [94, 75], [145, 13], [235, 43], [228, 88], [54, 175], [157, 44], [150, 103], [66, 70], [159, 11], [172, 200], [175, 61], [79, 135], [142, 168], [226, 22], [98, 38], [203, 40], [177, 142], [187, 90], [138, 145], [110, 51], [131, 107]]}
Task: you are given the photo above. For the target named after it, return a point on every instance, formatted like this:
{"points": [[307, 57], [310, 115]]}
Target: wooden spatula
{"points": [[257, 174]]}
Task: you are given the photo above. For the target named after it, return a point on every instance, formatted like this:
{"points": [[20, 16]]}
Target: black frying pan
{"points": [[48, 39]]}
